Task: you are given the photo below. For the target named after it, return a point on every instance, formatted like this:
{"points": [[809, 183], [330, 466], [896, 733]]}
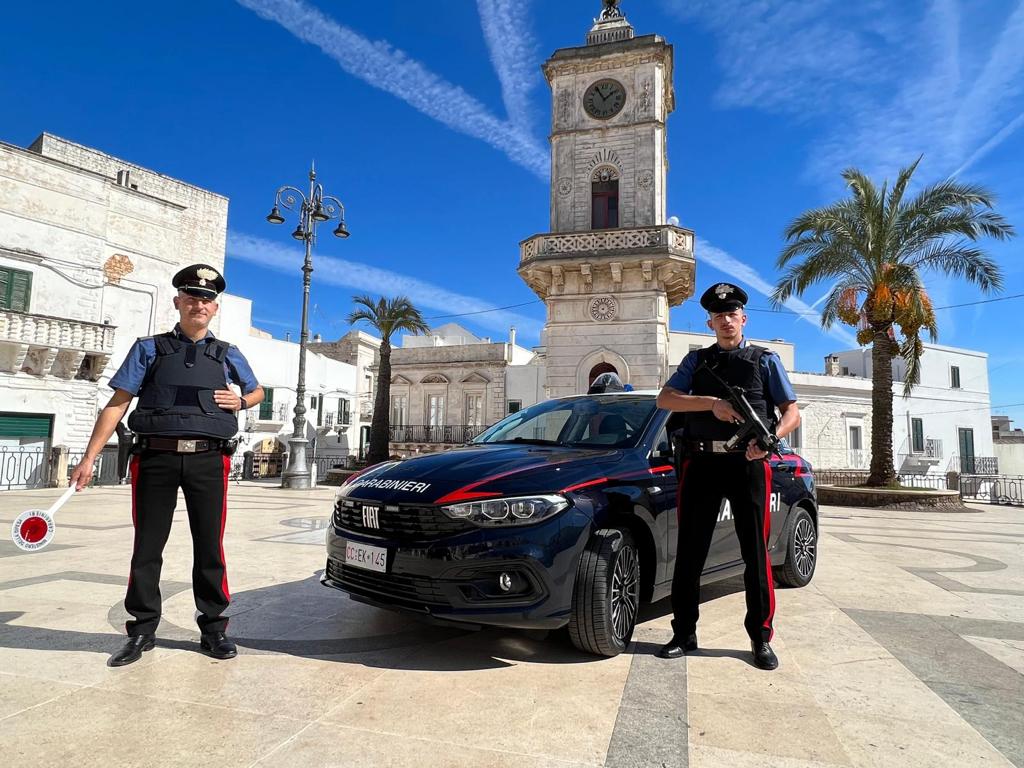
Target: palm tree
{"points": [[873, 247], [386, 316]]}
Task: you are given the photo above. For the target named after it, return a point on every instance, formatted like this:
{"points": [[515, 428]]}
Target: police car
{"points": [[563, 514]]}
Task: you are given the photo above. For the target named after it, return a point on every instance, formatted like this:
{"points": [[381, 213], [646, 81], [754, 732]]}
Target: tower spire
{"points": [[611, 26]]}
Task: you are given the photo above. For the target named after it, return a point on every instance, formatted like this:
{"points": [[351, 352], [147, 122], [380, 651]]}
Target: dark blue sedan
{"points": [[564, 513]]}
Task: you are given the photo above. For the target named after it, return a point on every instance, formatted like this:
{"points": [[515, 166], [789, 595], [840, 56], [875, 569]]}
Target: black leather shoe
{"points": [[132, 650], [764, 656], [217, 645], [677, 647]]}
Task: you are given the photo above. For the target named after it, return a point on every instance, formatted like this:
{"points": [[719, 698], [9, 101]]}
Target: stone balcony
{"points": [[40, 345], [632, 259]]}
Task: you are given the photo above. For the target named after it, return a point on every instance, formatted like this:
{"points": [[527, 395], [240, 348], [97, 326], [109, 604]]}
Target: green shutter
{"points": [[267, 406], [24, 425], [15, 289]]}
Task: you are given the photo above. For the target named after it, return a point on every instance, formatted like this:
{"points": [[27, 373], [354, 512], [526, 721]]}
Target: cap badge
{"points": [[722, 290], [205, 274]]}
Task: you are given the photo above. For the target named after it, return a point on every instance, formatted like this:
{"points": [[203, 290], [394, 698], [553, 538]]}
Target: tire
{"points": [[606, 597], [801, 551]]}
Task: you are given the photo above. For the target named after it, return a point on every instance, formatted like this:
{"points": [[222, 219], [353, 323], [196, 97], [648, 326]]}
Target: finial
{"points": [[611, 10]]}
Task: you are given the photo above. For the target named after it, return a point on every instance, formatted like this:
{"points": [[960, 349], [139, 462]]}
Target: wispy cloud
{"points": [[887, 81], [513, 53], [730, 265], [391, 70], [362, 277]]}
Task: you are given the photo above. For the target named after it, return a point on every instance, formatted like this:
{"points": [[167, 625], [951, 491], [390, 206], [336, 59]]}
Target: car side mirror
{"points": [[663, 451]]}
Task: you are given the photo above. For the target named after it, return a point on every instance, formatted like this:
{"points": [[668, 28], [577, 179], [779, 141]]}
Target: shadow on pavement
{"points": [[305, 619]]}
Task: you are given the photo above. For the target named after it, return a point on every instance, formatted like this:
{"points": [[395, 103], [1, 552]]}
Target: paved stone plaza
{"points": [[907, 649]]}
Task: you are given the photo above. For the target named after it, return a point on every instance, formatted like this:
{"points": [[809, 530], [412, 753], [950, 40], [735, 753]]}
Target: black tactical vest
{"points": [[177, 395], [739, 367]]}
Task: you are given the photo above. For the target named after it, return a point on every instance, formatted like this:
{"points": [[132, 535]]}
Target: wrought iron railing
{"points": [[974, 465], [106, 470], [858, 458], [849, 479], [325, 463], [447, 434], [1001, 489], [24, 467], [267, 464]]}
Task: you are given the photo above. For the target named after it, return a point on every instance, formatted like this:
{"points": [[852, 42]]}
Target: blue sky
{"points": [[429, 121]]}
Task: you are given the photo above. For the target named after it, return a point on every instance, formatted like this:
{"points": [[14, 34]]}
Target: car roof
{"points": [[644, 392]]}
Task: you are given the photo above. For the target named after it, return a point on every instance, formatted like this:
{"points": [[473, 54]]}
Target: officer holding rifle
{"points": [[727, 395]]}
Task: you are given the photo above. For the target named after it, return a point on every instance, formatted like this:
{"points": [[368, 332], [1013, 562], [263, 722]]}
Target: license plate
{"points": [[366, 557]]}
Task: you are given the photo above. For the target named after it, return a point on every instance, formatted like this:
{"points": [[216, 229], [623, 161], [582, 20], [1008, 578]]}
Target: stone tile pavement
{"points": [[906, 650]]}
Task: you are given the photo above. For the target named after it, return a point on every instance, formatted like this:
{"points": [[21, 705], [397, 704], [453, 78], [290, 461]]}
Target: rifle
{"points": [[752, 426]]}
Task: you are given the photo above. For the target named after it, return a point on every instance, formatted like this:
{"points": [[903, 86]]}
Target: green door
{"points": [[966, 440], [24, 449]]}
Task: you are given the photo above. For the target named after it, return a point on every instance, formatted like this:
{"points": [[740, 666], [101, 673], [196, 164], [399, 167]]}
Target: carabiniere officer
{"points": [[708, 472], [184, 425]]}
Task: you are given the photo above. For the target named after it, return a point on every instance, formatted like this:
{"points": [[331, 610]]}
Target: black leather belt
{"points": [[711, 446], [182, 445]]}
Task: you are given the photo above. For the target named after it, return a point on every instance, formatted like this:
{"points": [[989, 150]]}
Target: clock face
{"points": [[604, 99]]}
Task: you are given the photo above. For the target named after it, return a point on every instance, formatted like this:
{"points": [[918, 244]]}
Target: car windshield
{"points": [[598, 421]]}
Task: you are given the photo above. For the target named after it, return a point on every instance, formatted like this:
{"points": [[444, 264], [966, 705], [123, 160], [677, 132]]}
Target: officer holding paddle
{"points": [[184, 425]]}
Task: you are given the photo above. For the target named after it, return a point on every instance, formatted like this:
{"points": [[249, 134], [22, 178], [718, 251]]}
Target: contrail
{"points": [[513, 54], [391, 70], [362, 277], [730, 265]]}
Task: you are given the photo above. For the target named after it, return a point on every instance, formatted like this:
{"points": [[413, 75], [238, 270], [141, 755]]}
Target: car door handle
{"points": [[782, 467]]}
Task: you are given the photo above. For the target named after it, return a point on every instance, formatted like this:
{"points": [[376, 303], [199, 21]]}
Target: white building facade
{"points": [[332, 422], [945, 424]]}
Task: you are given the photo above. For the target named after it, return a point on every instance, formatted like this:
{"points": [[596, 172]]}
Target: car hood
{"points": [[480, 472]]}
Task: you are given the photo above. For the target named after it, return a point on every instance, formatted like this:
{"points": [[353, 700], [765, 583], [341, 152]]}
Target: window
{"points": [[846, 371], [435, 410], [954, 376], [855, 439], [917, 435], [399, 410], [795, 439], [475, 410], [15, 289], [515, 406], [344, 412], [316, 403], [267, 406], [604, 199]]}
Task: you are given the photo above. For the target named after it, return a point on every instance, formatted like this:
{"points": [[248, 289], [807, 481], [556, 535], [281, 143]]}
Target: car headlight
{"points": [[520, 510]]}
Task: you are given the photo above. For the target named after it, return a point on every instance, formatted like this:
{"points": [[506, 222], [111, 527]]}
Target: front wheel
{"points": [[606, 597], [801, 551]]}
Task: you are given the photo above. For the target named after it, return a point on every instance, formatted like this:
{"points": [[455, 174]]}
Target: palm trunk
{"points": [[882, 350], [380, 425]]}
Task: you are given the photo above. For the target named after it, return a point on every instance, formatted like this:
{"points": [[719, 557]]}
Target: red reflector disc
{"points": [[33, 529]]}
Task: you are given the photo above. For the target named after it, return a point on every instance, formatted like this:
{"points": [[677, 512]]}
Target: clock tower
{"points": [[611, 266]]}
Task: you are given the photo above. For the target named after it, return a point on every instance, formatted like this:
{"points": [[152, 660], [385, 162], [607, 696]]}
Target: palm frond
{"points": [[959, 259]]}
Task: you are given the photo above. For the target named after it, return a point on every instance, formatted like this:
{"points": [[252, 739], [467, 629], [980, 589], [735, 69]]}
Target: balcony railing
{"points": [[974, 465], [448, 434], [56, 346], [674, 239], [858, 458]]}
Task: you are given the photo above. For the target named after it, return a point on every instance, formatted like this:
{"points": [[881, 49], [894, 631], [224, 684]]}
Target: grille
{"points": [[410, 591], [400, 522]]}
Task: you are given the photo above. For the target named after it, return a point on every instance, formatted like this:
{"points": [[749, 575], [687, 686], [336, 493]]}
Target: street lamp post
{"points": [[313, 208]]}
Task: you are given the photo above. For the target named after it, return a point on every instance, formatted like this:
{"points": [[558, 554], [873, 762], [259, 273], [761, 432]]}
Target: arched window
{"points": [[604, 198]]}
